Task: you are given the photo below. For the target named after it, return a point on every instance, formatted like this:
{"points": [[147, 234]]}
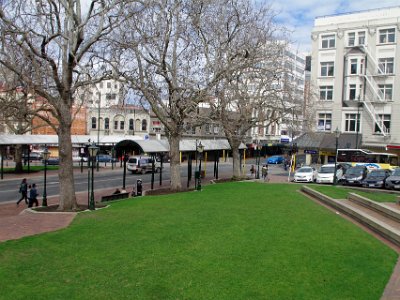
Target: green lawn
{"points": [[340, 192], [230, 241], [31, 169]]}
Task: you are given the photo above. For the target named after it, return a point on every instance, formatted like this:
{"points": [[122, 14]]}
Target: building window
{"points": [[353, 66], [109, 85], [356, 38], [324, 122], [107, 123], [351, 39], [94, 121], [361, 37], [352, 91], [144, 125], [352, 122], [115, 125], [326, 92], [216, 129], [111, 96], [327, 68], [387, 36], [328, 41], [384, 121], [130, 124], [122, 125], [386, 91], [101, 84], [207, 129], [386, 65], [137, 124]]}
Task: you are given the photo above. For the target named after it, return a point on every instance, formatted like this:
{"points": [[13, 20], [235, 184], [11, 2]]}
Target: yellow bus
{"points": [[372, 160]]}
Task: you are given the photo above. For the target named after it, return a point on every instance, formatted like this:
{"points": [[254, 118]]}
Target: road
{"points": [[108, 178]]}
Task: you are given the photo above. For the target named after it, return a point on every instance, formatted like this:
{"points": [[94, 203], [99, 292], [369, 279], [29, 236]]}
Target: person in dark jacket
{"points": [[33, 196], [23, 189]]}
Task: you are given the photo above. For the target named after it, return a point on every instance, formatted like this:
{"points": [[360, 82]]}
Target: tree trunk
{"points": [[236, 162], [18, 159], [66, 177], [176, 184]]}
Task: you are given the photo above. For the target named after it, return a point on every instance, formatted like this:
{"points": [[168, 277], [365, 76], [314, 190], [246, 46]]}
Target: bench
{"points": [[115, 197]]}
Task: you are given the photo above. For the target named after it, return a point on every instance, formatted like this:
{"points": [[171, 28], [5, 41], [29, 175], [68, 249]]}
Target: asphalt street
{"points": [[108, 178]]}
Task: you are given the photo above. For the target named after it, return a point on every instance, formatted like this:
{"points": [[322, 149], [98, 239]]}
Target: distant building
{"points": [[290, 116], [355, 61]]}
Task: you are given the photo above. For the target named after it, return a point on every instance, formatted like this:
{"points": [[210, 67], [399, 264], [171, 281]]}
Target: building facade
{"points": [[355, 73], [284, 123]]}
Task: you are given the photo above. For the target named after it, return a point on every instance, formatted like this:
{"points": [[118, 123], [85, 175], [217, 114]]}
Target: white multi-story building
{"points": [[355, 71], [289, 117], [109, 115]]}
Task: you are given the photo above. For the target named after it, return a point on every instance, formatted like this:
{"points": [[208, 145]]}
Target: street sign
{"points": [[307, 151]]}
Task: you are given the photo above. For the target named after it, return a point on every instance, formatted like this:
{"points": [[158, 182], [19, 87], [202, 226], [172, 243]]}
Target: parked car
{"points": [[106, 158], [142, 164], [276, 159], [376, 178], [355, 175], [393, 181], [305, 174], [52, 161], [326, 173], [80, 158], [33, 156]]}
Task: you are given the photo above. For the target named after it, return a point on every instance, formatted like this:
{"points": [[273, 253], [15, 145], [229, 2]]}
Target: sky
{"points": [[298, 15]]}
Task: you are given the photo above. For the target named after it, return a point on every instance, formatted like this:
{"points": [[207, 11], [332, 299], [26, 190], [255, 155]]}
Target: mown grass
{"points": [[340, 192], [31, 169], [229, 241]]}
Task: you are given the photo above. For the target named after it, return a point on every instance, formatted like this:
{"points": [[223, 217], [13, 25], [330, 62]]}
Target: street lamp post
{"points": [[258, 160], [46, 155], [92, 156], [337, 134], [200, 149], [125, 158]]}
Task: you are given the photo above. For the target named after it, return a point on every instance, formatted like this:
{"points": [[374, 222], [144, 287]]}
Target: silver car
{"points": [[393, 181]]}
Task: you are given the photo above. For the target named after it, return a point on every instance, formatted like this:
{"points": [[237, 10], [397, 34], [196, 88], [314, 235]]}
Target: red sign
{"points": [[393, 147]]}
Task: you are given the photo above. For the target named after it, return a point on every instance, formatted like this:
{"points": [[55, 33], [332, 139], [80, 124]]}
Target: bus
{"points": [[372, 160]]}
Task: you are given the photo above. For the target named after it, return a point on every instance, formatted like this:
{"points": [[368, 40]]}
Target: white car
{"points": [[79, 159], [305, 174], [326, 172]]}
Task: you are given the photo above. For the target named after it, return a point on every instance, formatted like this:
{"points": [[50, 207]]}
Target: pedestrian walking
{"points": [[252, 170], [33, 196], [23, 190], [264, 172]]}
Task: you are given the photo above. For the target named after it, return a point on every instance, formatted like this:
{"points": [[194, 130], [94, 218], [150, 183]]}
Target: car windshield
{"points": [[325, 170], [304, 170], [132, 160], [396, 172], [377, 174], [355, 171]]}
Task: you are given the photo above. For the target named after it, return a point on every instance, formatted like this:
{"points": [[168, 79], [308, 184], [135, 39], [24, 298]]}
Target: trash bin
{"points": [[139, 187]]}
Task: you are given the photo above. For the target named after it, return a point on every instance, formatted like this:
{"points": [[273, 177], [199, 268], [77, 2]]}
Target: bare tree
{"points": [[248, 95], [54, 47], [176, 53]]}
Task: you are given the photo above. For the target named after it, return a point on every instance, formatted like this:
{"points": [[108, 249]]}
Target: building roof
{"points": [[327, 140], [148, 146], [309, 140]]}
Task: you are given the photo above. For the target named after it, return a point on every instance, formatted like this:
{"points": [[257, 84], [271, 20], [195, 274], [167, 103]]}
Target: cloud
{"points": [[298, 15]]}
